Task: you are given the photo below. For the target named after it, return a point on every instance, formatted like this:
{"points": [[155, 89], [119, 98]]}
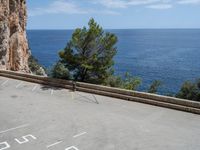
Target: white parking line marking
{"points": [[19, 84], [75, 136], [22, 126], [51, 91], [5, 144], [72, 148], [34, 88], [25, 139], [4, 82], [54, 144]]}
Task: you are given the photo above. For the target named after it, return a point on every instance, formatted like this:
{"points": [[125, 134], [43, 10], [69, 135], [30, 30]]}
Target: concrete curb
{"points": [[142, 100], [156, 97], [152, 99], [38, 79]]}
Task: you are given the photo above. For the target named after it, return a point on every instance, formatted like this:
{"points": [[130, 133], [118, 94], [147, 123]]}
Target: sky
{"points": [[113, 14]]}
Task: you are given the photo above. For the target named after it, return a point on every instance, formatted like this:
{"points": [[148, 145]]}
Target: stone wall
{"points": [[121, 94], [14, 50]]}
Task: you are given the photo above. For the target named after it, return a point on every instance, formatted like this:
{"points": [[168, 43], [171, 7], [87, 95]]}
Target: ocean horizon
{"points": [[169, 55]]}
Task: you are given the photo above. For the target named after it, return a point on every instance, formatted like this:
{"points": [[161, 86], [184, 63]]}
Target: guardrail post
{"points": [[74, 86]]}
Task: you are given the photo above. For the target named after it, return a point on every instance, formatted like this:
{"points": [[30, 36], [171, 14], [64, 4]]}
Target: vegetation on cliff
{"points": [[59, 71], [88, 57], [190, 90], [127, 82], [154, 86], [35, 67]]}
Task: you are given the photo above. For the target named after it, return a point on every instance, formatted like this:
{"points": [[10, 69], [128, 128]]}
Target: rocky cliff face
{"points": [[14, 51]]}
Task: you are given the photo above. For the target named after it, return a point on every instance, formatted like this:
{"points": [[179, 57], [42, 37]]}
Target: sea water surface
{"points": [[169, 55]]}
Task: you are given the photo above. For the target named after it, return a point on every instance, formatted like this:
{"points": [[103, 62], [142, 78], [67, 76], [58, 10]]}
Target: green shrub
{"points": [[59, 71], [190, 90], [35, 67], [130, 82], [114, 81], [154, 86], [127, 82]]}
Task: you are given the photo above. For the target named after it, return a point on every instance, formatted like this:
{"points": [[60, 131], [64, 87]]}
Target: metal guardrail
{"points": [[152, 99]]}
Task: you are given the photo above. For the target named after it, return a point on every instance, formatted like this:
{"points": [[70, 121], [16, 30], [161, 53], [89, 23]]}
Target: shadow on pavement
{"points": [[87, 99]]}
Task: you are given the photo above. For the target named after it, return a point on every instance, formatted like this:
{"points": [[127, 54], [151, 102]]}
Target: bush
{"points": [[114, 81], [154, 86], [127, 82], [130, 82], [59, 71], [35, 67], [190, 91]]}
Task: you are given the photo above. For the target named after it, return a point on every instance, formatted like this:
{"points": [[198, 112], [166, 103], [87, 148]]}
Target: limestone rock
{"points": [[14, 50]]}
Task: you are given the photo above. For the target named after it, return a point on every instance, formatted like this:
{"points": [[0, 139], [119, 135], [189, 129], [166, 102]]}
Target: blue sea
{"points": [[169, 55]]}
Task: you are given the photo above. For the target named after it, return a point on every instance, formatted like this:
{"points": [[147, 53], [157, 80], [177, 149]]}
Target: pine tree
{"points": [[89, 54]]}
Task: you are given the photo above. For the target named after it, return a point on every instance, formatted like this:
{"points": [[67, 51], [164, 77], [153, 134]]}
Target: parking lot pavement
{"points": [[38, 117]]}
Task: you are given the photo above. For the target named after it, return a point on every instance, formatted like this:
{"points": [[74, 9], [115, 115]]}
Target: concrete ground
{"points": [[37, 117]]}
